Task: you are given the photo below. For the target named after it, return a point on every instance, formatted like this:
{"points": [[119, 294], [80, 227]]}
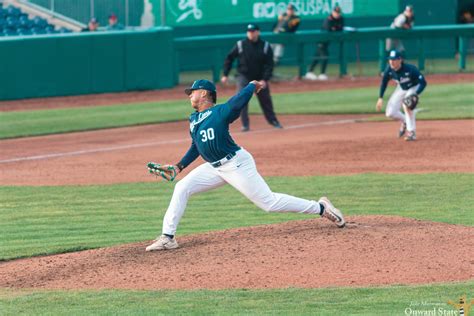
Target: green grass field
{"points": [[446, 101], [363, 69], [377, 301], [69, 218], [48, 220]]}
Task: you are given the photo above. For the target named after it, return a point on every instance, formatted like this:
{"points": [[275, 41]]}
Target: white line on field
{"points": [[166, 142]]}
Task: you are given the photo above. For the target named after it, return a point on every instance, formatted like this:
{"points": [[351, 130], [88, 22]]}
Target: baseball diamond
{"points": [[252, 250], [271, 185]]}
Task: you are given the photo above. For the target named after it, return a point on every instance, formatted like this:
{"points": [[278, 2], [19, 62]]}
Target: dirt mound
{"points": [[372, 250]]}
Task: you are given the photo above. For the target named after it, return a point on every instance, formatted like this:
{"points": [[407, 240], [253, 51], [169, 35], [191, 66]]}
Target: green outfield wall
{"points": [[73, 64], [215, 17]]}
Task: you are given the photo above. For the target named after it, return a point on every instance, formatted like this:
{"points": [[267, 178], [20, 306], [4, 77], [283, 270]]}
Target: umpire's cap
{"points": [[203, 84], [394, 54], [252, 27]]}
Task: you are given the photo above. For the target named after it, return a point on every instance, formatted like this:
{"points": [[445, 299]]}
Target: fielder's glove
{"points": [[167, 172], [411, 101]]}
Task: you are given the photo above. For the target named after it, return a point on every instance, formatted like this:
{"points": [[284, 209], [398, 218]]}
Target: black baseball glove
{"points": [[411, 101]]}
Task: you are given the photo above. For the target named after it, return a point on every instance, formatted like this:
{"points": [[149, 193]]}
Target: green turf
{"points": [[44, 220], [29, 123], [440, 101], [394, 300], [363, 69]]}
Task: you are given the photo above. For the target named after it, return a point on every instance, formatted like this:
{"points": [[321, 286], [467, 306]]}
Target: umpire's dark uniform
{"points": [[255, 62]]}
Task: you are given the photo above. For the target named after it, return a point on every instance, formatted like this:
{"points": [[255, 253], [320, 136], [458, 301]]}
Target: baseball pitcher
{"points": [[411, 84], [226, 162]]}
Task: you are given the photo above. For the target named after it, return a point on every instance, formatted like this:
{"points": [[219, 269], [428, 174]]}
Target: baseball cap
{"points": [[252, 27], [337, 8], [291, 6], [112, 16], [394, 54], [204, 85]]}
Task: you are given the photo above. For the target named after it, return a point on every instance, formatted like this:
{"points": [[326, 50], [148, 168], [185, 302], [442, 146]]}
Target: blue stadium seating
{"points": [[13, 22]]}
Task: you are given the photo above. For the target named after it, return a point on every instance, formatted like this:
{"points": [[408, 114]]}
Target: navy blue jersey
{"points": [[407, 76], [209, 129]]}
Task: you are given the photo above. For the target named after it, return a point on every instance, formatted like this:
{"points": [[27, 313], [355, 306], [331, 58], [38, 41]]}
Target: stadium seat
{"points": [[64, 30], [14, 22], [25, 32], [26, 23], [38, 31], [40, 23], [50, 29], [12, 11], [10, 32]]}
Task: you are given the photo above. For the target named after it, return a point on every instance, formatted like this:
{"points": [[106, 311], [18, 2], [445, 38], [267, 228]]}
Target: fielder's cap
{"points": [[409, 7], [93, 20], [337, 8], [252, 27], [394, 54], [113, 16], [291, 7], [202, 84]]}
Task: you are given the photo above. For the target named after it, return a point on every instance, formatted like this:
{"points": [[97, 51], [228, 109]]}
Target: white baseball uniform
{"points": [[225, 163]]}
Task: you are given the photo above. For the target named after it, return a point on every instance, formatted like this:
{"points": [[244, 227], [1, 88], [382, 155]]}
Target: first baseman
{"points": [[411, 84], [226, 162]]}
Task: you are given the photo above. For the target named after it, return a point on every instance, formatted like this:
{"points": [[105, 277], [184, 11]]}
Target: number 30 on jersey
{"points": [[207, 134]]}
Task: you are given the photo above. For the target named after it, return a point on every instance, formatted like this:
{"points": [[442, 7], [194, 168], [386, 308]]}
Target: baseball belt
{"points": [[224, 160]]}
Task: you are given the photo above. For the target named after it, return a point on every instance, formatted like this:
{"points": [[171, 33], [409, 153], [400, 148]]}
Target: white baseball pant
{"points": [[394, 106], [241, 173]]}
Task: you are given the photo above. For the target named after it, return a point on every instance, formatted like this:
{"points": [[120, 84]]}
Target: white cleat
{"points": [[323, 77], [311, 76], [163, 243], [411, 136], [332, 213]]}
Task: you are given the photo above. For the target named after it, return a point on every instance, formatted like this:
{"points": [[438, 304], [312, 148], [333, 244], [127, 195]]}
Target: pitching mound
{"points": [[372, 250]]}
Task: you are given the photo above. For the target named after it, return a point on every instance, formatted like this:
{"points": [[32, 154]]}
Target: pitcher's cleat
{"points": [[332, 213], [411, 136], [163, 243]]}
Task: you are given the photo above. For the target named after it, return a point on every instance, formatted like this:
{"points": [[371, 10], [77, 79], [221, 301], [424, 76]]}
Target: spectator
{"points": [[92, 26], [464, 18], [333, 23], [404, 21], [114, 25], [288, 22], [255, 62]]}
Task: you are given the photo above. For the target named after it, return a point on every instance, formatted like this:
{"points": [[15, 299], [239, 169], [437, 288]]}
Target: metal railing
{"points": [[215, 45]]}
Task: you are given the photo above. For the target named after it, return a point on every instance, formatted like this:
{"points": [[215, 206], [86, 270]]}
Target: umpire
{"points": [[255, 62]]}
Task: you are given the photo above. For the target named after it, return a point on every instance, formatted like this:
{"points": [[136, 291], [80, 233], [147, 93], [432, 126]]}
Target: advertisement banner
{"points": [[206, 12]]}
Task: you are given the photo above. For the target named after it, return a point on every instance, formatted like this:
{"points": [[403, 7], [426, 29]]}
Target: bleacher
{"points": [[13, 22]]}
